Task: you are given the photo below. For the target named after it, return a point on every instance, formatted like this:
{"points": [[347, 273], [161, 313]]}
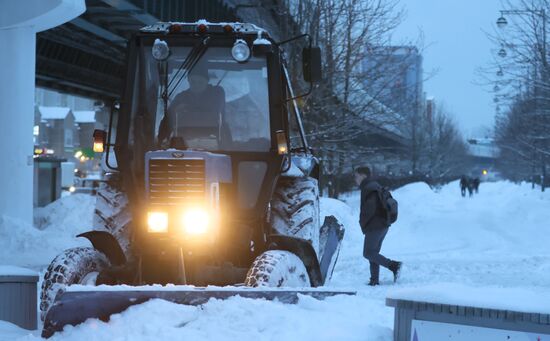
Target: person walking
{"points": [[470, 188], [476, 182], [463, 185], [374, 226]]}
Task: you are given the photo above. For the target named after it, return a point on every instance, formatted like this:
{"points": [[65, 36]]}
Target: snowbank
{"points": [[57, 225], [441, 235], [236, 319], [10, 270], [496, 241], [490, 297]]}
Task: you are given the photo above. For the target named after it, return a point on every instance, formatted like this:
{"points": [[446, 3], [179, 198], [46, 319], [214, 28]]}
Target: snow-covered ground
{"points": [[495, 242]]}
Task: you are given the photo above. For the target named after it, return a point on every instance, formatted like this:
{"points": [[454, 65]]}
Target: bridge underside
{"points": [[87, 55]]}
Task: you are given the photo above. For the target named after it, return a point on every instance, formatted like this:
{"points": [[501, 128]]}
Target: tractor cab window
{"points": [[219, 105]]}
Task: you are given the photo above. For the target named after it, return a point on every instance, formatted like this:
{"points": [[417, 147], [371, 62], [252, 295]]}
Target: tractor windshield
{"points": [[220, 105]]}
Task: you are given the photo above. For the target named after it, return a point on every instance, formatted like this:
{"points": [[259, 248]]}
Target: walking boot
{"points": [[373, 283], [395, 267]]}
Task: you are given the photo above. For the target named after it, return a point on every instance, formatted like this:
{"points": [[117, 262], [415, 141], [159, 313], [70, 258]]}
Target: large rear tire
{"points": [[112, 212], [276, 268], [295, 209], [73, 266]]}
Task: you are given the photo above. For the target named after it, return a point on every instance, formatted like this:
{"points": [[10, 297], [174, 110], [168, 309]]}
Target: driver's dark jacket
{"points": [[204, 107], [369, 217]]}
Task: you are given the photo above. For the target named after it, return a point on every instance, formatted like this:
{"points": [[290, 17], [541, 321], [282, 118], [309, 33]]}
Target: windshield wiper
{"points": [[187, 66]]}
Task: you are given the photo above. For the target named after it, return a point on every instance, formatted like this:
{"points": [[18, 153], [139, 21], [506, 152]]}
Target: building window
{"points": [[68, 138]]}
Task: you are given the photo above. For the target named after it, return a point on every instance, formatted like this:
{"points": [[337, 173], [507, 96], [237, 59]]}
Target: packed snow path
{"points": [[498, 238]]}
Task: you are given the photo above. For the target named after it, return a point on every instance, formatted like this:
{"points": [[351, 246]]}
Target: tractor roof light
{"points": [[228, 28], [202, 28], [261, 46], [175, 28], [240, 51], [160, 50]]}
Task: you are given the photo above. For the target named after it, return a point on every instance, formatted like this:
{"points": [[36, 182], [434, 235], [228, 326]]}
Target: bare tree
{"points": [[444, 151], [522, 91]]}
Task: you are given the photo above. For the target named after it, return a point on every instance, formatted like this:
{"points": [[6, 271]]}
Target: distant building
{"points": [[430, 109], [85, 121], [56, 130], [49, 98], [483, 148], [393, 76], [483, 154]]}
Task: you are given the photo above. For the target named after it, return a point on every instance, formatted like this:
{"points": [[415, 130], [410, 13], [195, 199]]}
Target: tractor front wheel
{"points": [[78, 265], [277, 268]]}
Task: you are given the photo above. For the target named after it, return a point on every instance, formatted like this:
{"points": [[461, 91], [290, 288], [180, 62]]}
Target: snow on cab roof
{"points": [[53, 113], [164, 27], [84, 116]]}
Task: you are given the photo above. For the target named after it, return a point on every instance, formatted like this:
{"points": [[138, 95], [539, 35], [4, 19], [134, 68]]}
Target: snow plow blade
{"points": [[75, 307]]}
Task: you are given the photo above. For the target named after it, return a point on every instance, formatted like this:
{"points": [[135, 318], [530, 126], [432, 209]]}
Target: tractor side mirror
{"points": [[311, 64], [100, 140]]}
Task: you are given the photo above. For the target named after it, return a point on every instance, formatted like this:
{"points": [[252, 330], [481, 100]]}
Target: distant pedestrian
{"points": [[476, 182], [470, 187], [463, 185], [374, 224]]}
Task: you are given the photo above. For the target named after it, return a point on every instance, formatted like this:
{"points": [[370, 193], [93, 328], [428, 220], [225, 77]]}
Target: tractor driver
{"points": [[195, 115]]}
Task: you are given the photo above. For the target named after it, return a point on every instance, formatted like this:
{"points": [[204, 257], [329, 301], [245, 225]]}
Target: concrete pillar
{"points": [[19, 23]]}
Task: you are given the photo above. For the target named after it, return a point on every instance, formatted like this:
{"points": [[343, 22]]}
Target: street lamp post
{"points": [[502, 23]]}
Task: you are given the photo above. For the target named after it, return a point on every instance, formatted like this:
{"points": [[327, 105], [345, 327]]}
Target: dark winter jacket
{"points": [[370, 217]]}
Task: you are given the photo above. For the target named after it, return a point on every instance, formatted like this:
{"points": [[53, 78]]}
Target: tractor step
{"points": [[73, 306]]}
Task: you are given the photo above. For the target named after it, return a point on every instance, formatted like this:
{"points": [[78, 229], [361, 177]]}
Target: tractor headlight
{"points": [[196, 221], [157, 222], [240, 51]]}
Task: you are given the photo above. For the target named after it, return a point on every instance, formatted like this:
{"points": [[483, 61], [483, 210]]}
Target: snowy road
{"points": [[499, 238]]}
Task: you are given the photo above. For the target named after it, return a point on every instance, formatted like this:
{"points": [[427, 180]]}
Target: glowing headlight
{"points": [[157, 222], [196, 221], [240, 51]]}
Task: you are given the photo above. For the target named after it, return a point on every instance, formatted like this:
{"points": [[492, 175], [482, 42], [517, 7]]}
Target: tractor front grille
{"points": [[176, 181]]}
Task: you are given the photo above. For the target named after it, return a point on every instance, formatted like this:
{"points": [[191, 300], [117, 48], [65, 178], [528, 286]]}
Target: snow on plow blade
{"points": [[74, 307]]}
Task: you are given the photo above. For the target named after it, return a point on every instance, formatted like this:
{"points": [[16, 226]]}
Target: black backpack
{"points": [[389, 205]]}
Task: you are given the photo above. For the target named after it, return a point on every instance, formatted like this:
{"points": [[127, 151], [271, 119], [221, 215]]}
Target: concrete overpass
{"points": [[86, 56]]}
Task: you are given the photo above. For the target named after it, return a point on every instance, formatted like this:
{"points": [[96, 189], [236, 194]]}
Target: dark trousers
{"points": [[371, 251]]}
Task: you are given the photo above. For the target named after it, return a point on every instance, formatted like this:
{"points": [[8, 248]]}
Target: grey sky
{"points": [[457, 45]]}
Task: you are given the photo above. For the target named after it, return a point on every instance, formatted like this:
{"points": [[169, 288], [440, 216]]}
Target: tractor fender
{"points": [[107, 244], [301, 248]]}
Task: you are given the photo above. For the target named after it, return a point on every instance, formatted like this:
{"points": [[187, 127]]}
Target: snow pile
{"points": [[68, 213], [10, 270], [492, 297], [236, 319], [497, 241], [56, 227]]}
